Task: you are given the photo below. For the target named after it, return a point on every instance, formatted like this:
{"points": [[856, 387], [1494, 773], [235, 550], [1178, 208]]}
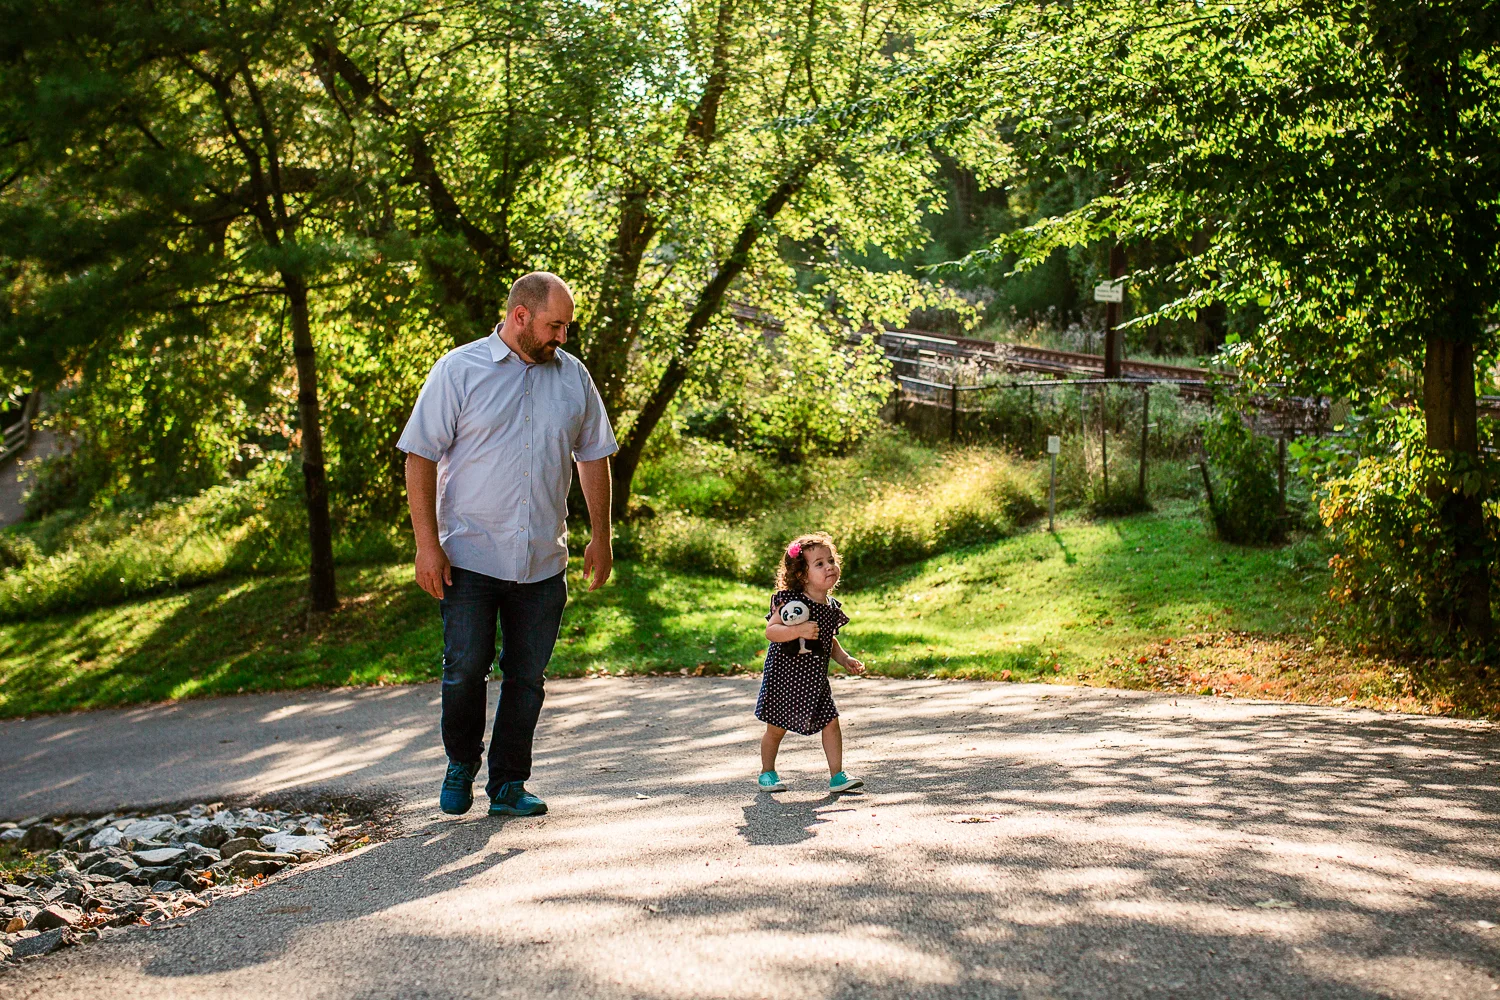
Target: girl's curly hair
{"points": [[792, 573]]}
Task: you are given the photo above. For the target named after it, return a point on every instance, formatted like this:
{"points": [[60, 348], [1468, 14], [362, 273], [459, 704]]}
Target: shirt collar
{"points": [[499, 349]]}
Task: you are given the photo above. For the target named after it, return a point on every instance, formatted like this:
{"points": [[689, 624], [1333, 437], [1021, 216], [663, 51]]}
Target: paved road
{"points": [[15, 477], [1125, 843]]}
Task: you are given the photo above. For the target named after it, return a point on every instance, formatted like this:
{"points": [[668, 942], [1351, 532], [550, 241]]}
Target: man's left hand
{"points": [[598, 562]]}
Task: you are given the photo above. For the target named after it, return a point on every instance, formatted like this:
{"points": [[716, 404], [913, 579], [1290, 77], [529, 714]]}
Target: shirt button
{"points": [[525, 473], [528, 420], [523, 502]]}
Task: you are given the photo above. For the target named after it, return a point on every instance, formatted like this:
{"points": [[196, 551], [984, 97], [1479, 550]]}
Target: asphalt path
{"points": [[1015, 841]]}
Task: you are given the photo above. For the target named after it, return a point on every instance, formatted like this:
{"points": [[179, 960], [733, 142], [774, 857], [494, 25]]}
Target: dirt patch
{"points": [[1294, 668]]}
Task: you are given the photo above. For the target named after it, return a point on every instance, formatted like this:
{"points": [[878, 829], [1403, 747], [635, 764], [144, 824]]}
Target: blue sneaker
{"points": [[458, 788], [841, 782], [514, 800], [770, 782]]}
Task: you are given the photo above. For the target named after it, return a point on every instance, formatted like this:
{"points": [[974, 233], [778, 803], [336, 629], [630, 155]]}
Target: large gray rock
{"points": [[205, 856], [113, 867], [232, 847], [252, 863], [55, 915], [10, 893], [148, 829], [290, 843], [92, 858], [166, 886], [150, 876], [44, 943], [209, 835], [110, 836], [119, 892], [69, 894], [42, 838], [160, 856], [13, 835], [78, 836]]}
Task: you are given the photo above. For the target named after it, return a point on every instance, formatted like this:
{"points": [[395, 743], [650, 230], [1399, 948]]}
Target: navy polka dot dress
{"points": [[794, 690]]}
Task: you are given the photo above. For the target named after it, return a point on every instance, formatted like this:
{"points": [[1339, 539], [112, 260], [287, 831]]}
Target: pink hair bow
{"points": [[794, 550]]}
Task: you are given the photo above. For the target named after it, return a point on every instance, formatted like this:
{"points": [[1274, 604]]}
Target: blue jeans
{"points": [[529, 615]]}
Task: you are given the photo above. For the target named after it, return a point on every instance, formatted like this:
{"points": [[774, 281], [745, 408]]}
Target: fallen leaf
{"points": [[653, 907], [1275, 904], [640, 796]]}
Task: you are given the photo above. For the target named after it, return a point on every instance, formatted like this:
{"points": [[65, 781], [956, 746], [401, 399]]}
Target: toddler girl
{"points": [[803, 633]]}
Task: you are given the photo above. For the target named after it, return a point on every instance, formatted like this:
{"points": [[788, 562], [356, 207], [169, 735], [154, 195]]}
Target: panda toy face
{"points": [[794, 613]]}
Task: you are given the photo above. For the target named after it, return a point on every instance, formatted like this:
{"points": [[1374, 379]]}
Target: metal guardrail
{"points": [[17, 435]]}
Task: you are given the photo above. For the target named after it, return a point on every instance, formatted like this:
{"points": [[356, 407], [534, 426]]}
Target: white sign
{"points": [[1054, 444], [1109, 291]]}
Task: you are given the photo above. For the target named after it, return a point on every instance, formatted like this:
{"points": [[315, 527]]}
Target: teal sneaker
{"points": [[514, 800], [458, 788], [769, 782], [841, 782]]}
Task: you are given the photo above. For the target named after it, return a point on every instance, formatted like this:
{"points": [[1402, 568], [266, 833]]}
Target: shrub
{"points": [[1394, 568], [252, 526], [1245, 500]]}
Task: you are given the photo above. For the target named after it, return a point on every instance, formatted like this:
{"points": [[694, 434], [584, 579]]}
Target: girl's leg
{"points": [[833, 747], [769, 744]]}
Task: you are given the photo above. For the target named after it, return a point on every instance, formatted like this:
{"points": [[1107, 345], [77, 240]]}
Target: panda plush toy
{"points": [[795, 613]]}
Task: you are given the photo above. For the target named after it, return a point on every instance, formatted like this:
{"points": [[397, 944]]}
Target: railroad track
{"points": [[914, 346], [913, 351]]}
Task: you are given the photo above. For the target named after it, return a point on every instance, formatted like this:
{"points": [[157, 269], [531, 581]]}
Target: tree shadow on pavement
{"points": [[1076, 843]]}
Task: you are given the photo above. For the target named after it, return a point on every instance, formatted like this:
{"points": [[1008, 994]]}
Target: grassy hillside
{"points": [[1150, 600]]}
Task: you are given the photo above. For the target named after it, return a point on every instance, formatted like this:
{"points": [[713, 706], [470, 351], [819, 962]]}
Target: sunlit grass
{"points": [[1098, 602]]}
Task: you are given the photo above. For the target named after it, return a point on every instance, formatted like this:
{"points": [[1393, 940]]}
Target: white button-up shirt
{"points": [[504, 435]]}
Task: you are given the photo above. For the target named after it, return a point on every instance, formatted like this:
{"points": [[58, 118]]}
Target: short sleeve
{"points": [[777, 600], [434, 420], [596, 439]]}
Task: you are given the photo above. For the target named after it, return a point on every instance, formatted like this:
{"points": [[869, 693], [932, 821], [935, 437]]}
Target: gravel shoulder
{"points": [[1015, 841]]}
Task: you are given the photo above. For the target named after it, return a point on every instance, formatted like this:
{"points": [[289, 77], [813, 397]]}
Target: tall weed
{"points": [[882, 513]]}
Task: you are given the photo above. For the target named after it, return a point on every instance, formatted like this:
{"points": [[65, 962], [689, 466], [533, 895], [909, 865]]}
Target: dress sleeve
{"points": [[839, 617], [777, 600]]}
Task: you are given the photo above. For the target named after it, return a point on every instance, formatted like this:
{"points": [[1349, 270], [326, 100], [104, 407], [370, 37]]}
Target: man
{"points": [[488, 448]]}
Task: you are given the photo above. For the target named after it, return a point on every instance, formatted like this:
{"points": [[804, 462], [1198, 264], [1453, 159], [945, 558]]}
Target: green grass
{"points": [[14, 862], [1033, 605]]}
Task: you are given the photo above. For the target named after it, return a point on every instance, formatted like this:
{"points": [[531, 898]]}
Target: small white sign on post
{"points": [[1054, 444], [1109, 291]]}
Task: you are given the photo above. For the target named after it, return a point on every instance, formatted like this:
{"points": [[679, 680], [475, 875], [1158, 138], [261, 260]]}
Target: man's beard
{"points": [[534, 347]]}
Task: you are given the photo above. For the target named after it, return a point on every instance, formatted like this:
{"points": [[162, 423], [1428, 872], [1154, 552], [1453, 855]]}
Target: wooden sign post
{"points": [[1054, 445]]}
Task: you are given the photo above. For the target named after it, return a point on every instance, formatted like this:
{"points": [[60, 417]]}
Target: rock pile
{"points": [[116, 870]]}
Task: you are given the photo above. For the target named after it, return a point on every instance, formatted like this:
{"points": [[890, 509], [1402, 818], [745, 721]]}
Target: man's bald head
{"points": [[534, 291], [537, 313]]}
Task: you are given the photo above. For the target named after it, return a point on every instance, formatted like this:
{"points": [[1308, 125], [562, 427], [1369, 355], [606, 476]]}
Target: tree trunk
{"points": [[615, 323], [322, 591], [1451, 411], [709, 300], [608, 344], [1112, 313]]}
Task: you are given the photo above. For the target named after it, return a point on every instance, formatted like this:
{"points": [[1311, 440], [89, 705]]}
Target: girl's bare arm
{"points": [[844, 660], [777, 632]]}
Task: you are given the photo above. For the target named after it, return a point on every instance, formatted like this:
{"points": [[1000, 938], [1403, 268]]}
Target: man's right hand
{"points": [[434, 570]]}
